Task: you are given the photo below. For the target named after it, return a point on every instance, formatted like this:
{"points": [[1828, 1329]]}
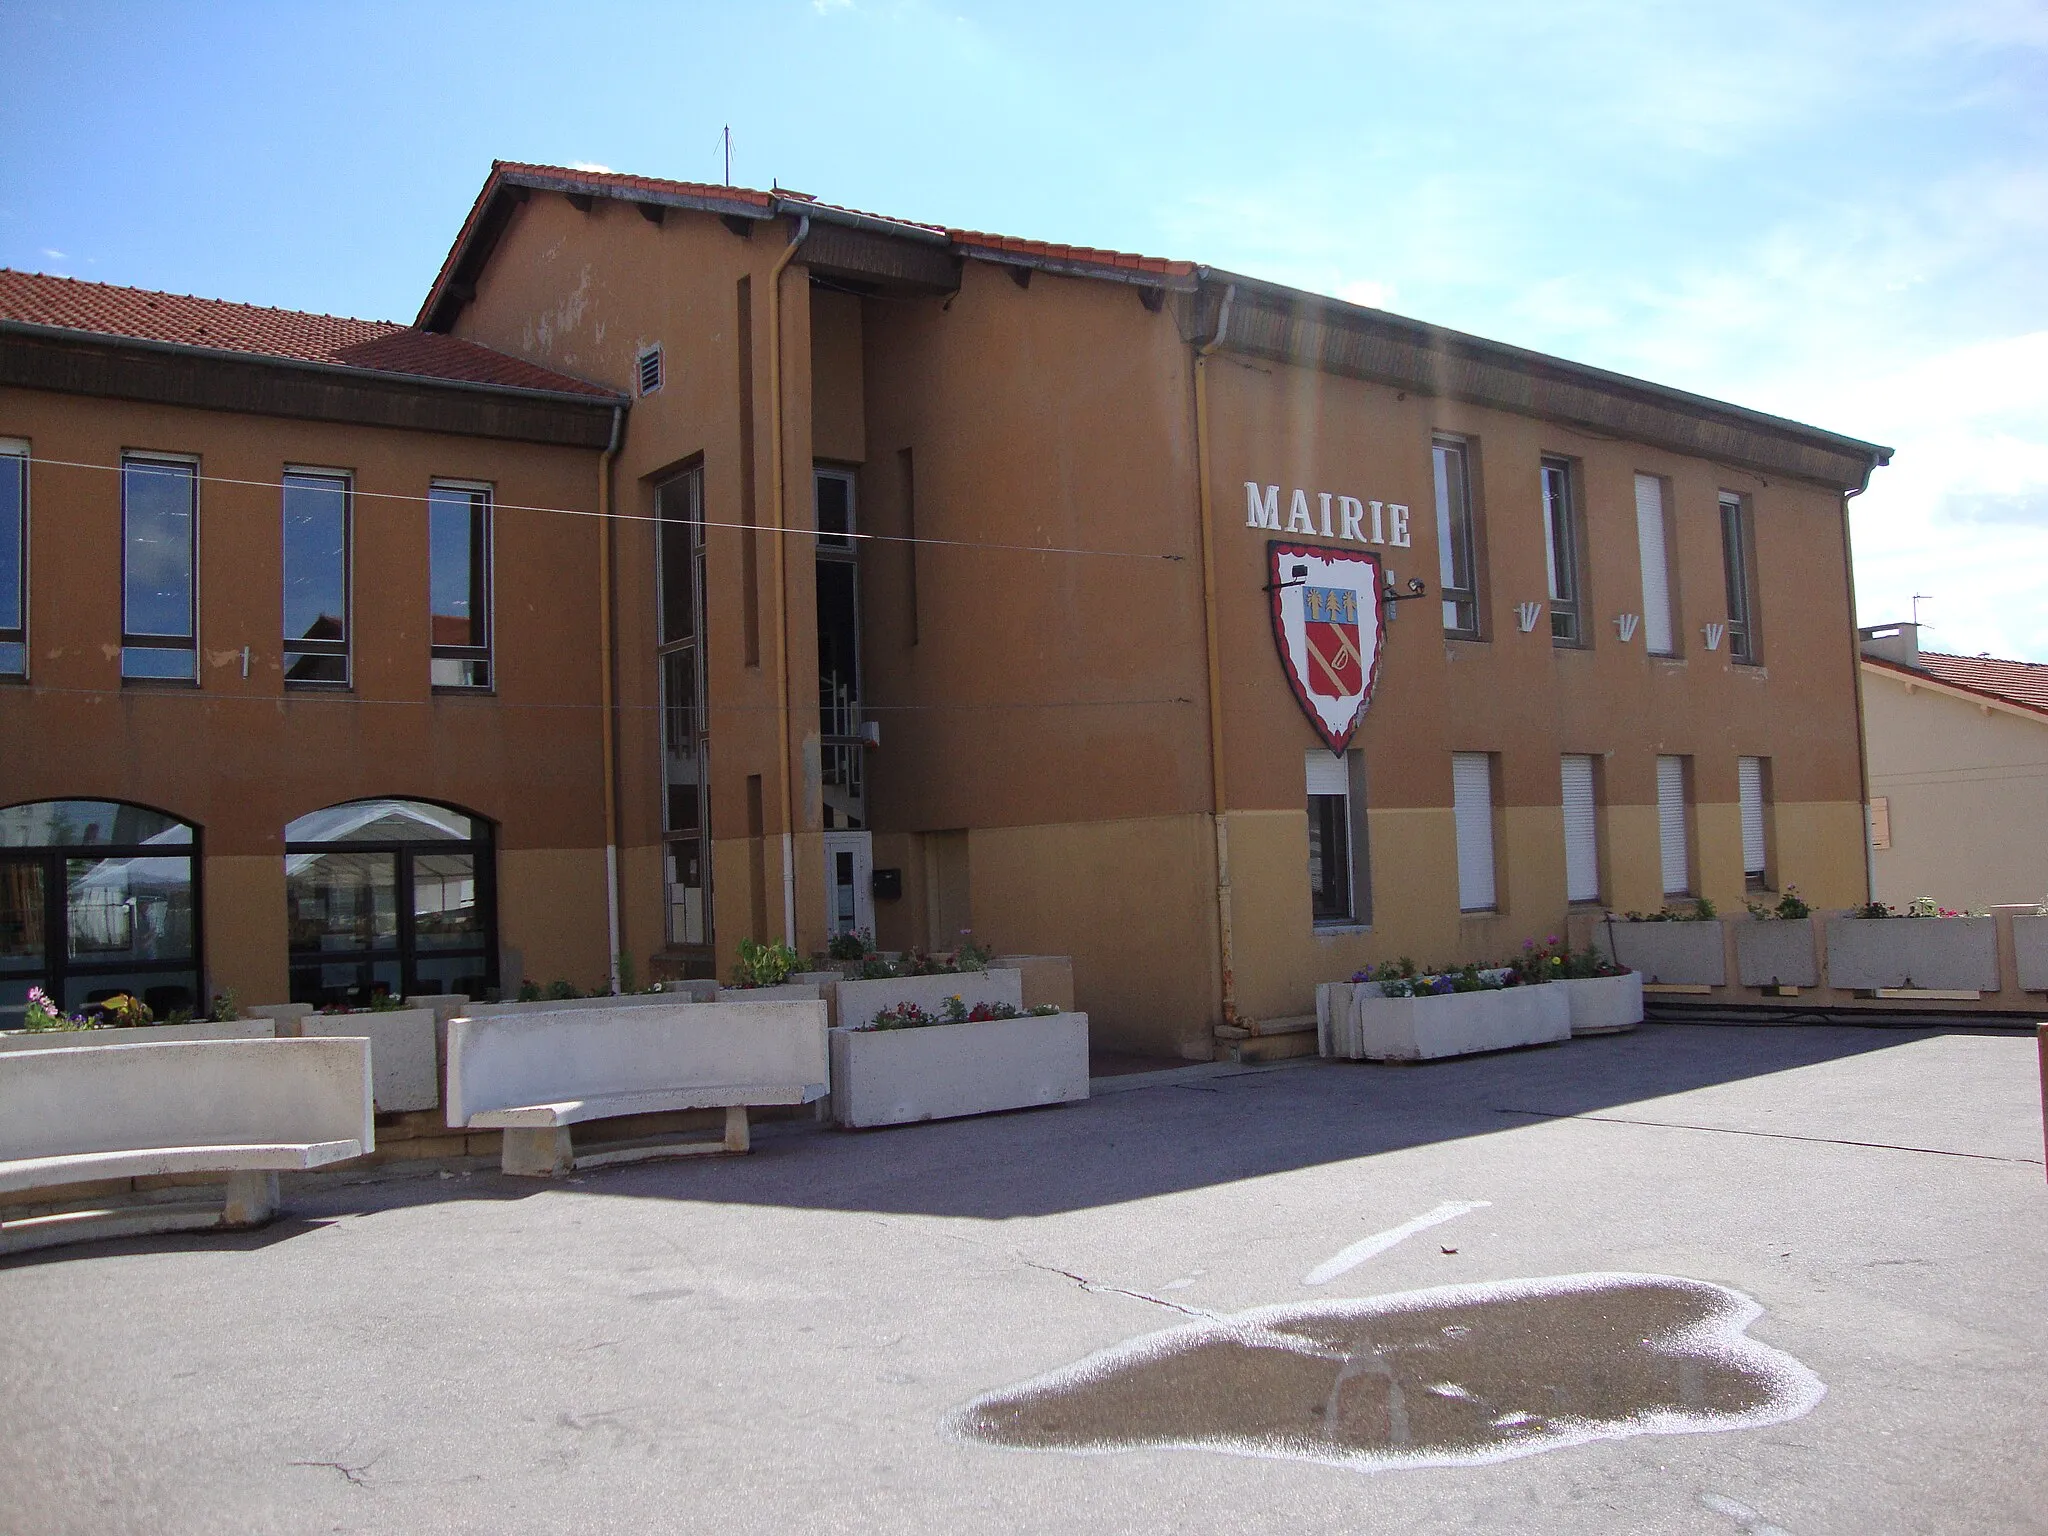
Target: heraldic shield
{"points": [[1327, 624]]}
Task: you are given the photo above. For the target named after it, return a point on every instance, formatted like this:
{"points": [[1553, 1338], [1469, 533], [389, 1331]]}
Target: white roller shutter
{"points": [[1750, 773], [1671, 825], [1581, 831], [1472, 807], [1656, 565], [1326, 775]]}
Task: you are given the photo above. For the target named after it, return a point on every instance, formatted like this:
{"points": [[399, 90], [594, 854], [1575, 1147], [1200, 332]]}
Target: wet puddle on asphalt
{"points": [[1450, 1376]]}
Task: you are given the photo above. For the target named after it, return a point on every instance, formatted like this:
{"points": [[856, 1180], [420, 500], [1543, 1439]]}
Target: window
{"points": [[316, 575], [459, 582], [842, 750], [1339, 875], [159, 561], [1737, 562], [1561, 554], [391, 898], [1581, 830], [685, 728], [1753, 778], [1659, 636], [13, 559], [1457, 561], [1472, 809], [648, 365], [1674, 843], [97, 898]]}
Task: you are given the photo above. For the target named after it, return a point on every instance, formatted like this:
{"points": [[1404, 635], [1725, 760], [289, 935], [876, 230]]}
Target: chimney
{"points": [[1896, 643]]}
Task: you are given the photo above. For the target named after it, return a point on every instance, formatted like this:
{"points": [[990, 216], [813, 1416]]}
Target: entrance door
{"points": [[849, 883]]}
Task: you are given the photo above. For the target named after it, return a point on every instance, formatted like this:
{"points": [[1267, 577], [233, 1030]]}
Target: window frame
{"points": [[1445, 447], [1674, 649], [17, 634], [1492, 906], [688, 649], [1559, 477], [1356, 916], [1738, 573], [487, 569], [132, 640], [1689, 841], [1592, 760], [345, 647]]}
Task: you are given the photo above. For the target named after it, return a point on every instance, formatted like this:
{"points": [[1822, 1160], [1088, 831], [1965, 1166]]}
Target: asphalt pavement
{"points": [[788, 1341]]}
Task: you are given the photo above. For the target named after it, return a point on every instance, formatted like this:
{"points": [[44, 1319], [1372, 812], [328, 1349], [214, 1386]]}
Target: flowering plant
{"points": [[955, 1011], [763, 965], [1702, 910], [1788, 907], [42, 1014]]}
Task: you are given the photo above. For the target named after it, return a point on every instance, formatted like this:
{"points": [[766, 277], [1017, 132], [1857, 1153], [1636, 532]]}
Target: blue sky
{"points": [[1838, 213]]}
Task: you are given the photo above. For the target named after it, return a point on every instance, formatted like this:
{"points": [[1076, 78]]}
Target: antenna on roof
{"points": [[728, 154], [1918, 599]]}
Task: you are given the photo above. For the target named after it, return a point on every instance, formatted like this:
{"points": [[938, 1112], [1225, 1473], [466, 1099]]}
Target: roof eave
{"points": [[1962, 691]]}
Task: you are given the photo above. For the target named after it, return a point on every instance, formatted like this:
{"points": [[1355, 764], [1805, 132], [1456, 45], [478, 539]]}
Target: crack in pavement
{"points": [[1098, 1288], [1729, 1130], [356, 1477]]}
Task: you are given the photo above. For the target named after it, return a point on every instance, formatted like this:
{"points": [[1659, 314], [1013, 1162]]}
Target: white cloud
{"points": [[590, 165], [1374, 295], [55, 255]]}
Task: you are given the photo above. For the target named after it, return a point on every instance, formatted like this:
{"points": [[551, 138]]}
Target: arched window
{"points": [[390, 896], [97, 898]]}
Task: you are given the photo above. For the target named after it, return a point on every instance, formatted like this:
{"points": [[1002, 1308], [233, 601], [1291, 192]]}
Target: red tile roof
{"points": [[967, 242], [102, 309], [2017, 682]]}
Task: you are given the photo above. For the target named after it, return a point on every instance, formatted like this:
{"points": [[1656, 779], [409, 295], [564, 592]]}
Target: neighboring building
{"points": [[963, 581], [266, 584], [1958, 757]]}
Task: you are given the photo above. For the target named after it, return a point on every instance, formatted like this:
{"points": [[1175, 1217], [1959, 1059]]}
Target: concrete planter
{"points": [[1377, 1028], [672, 992], [857, 1002], [2030, 949], [1673, 954], [405, 1069], [1602, 1005], [145, 1034], [900, 1076], [787, 992], [1776, 952], [1940, 954]]}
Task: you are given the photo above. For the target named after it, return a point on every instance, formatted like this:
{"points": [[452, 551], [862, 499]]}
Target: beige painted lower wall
{"points": [[551, 912], [1132, 902]]}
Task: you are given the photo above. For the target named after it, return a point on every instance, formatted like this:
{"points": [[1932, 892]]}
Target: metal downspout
{"points": [[1218, 797], [777, 497], [607, 575]]}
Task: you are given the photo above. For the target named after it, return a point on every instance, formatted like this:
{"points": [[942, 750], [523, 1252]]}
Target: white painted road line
{"points": [[1366, 1247]]}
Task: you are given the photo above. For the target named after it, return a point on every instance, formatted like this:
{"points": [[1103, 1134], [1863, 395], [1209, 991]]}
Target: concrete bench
{"points": [[242, 1108], [536, 1076]]}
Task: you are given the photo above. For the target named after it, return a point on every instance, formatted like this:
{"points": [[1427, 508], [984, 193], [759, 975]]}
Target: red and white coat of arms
{"points": [[1327, 622]]}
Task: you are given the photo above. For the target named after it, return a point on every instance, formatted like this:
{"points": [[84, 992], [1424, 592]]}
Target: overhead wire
{"points": [[644, 517]]}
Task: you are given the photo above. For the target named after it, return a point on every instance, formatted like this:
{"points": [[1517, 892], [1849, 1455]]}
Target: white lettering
{"points": [[1378, 537], [1397, 518], [1262, 512], [1297, 515], [1352, 509], [1326, 512]]}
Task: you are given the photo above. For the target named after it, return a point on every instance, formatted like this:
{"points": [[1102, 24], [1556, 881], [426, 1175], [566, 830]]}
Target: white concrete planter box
{"points": [[1673, 954], [144, 1034], [900, 1076], [2030, 949], [787, 992], [1601, 1005], [859, 1001], [405, 1072], [1377, 1028], [1945, 954], [676, 992], [1776, 952]]}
